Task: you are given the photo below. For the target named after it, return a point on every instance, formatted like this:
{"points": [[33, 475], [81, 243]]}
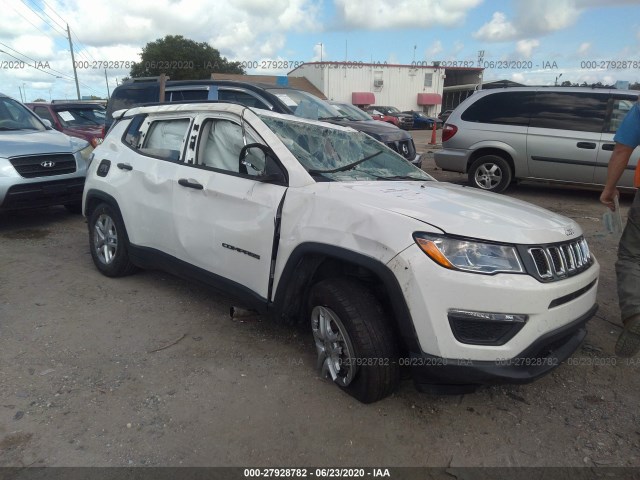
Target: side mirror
{"points": [[47, 123], [258, 160]]}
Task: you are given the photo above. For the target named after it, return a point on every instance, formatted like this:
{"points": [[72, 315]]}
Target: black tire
{"points": [[75, 208], [491, 173], [370, 371], [111, 257]]}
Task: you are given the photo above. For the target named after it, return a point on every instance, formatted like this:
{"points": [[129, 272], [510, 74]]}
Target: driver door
{"points": [[224, 216]]}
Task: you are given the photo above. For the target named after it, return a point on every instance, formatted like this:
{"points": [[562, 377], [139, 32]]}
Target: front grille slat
{"points": [[46, 165], [554, 262]]}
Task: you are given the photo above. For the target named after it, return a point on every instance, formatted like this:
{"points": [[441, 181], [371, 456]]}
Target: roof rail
{"points": [[142, 79]]}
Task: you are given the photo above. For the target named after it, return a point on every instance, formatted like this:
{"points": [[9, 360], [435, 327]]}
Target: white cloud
{"points": [[525, 48], [531, 19], [386, 14], [434, 50], [584, 48], [497, 30]]}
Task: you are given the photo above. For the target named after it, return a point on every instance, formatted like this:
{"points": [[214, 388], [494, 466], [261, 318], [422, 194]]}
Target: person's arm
{"points": [[617, 164]]}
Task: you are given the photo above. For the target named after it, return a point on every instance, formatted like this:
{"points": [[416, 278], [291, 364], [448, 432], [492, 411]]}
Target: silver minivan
{"points": [[559, 134]]}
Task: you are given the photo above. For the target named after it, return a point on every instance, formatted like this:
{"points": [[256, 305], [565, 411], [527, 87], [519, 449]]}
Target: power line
{"points": [[43, 11], [35, 62], [62, 75], [33, 24], [40, 17], [80, 51], [32, 66]]}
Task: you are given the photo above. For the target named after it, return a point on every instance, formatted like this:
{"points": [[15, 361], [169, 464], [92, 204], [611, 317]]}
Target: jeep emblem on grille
{"points": [[405, 149], [48, 164]]}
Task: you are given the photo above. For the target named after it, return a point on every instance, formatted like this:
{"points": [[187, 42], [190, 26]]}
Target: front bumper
{"points": [[43, 194], [545, 354]]}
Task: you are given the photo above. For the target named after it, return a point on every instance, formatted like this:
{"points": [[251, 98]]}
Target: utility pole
{"points": [[73, 60], [107, 81]]}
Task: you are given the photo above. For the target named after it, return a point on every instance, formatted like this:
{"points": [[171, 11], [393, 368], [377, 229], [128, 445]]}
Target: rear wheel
{"points": [[490, 172], [108, 242], [355, 344]]}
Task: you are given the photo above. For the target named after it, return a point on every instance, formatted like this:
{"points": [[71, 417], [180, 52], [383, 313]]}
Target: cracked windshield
{"points": [[335, 155]]}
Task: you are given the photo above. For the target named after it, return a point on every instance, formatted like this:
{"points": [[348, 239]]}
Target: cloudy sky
{"points": [[545, 38]]}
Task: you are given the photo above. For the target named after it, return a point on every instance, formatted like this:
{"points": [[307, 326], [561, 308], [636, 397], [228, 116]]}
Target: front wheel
{"points": [[491, 173], [108, 242], [356, 346]]}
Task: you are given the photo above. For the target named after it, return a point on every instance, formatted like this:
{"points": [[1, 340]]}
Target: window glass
{"points": [[305, 105], [220, 145], [583, 112], [43, 112], [620, 107], [79, 116], [132, 135], [428, 79], [186, 95], [15, 116], [165, 138], [505, 108], [330, 154], [243, 98]]}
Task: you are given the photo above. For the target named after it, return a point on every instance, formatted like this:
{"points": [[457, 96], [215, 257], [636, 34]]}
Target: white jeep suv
{"points": [[313, 222]]}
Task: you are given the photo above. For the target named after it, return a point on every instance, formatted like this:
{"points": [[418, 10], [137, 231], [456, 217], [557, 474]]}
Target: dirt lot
{"points": [[85, 380]]}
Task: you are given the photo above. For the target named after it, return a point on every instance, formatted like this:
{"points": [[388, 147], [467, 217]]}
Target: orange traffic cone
{"points": [[433, 135]]}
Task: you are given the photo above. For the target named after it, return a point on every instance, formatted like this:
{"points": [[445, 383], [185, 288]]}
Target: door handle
{"points": [[587, 145], [608, 147], [125, 166], [186, 183]]}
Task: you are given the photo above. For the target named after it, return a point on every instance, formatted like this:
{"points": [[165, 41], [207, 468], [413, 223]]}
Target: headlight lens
{"points": [[469, 255], [86, 154]]}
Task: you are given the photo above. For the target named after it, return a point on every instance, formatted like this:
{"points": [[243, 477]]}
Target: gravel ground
{"points": [[150, 370]]}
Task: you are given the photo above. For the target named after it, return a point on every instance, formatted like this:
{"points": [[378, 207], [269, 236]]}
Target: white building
{"points": [[407, 87]]}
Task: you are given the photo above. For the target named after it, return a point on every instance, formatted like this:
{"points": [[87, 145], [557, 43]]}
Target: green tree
{"points": [[182, 59]]}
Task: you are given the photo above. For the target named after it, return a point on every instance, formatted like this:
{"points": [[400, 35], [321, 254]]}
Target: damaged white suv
{"points": [[313, 222]]}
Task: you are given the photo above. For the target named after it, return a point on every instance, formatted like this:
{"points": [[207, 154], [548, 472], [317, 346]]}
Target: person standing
{"points": [[627, 138]]}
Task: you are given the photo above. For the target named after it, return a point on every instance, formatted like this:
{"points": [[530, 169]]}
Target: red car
{"points": [[390, 115], [77, 119]]}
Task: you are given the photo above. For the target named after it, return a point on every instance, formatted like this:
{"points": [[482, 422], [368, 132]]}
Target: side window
{"points": [[186, 95], [43, 112], [583, 112], [243, 98], [220, 145], [165, 138], [504, 108], [619, 107], [133, 134]]}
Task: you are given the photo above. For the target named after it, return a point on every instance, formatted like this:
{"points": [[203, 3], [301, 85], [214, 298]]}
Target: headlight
{"points": [[86, 153], [95, 141], [469, 255]]}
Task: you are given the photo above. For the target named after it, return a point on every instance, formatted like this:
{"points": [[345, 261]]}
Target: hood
{"points": [[31, 142], [379, 130], [464, 211]]}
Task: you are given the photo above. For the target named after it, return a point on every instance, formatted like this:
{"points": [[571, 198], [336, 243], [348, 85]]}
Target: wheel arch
{"points": [[96, 197], [311, 262], [500, 152]]}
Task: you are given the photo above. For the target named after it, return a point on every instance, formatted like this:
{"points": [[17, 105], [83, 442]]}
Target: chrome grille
{"points": [[561, 260], [46, 165]]}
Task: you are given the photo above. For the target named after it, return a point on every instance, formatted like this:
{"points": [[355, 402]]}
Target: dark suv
{"points": [[279, 99], [77, 119]]}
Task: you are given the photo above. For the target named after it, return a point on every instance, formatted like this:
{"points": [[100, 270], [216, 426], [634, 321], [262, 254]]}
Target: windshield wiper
{"points": [[348, 166], [335, 117], [401, 177]]}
